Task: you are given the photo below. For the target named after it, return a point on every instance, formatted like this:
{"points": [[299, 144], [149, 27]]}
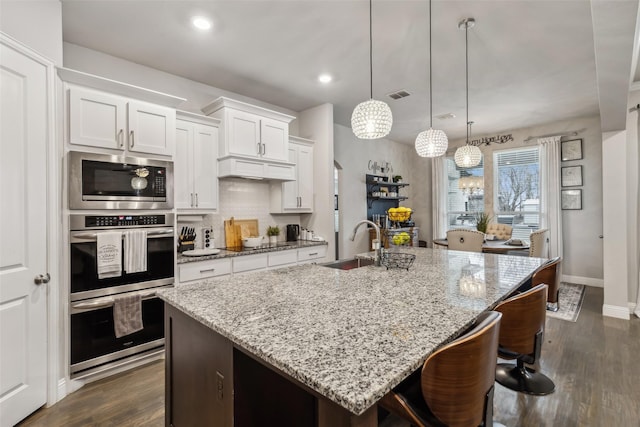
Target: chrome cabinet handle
{"points": [[264, 149], [191, 199], [42, 278], [120, 137], [207, 270], [196, 200], [131, 137], [259, 148]]}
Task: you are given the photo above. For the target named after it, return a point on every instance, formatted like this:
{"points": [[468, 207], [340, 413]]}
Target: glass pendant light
{"points": [[431, 142], [468, 155], [371, 119]]}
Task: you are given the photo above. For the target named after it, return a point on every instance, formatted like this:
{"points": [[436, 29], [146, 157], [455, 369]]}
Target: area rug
{"points": [[571, 296]]}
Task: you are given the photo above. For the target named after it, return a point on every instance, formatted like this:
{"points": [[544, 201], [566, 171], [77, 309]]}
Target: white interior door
{"points": [[23, 231]]}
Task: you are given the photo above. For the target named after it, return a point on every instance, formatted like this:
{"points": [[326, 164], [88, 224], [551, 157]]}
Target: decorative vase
{"points": [[273, 240]]}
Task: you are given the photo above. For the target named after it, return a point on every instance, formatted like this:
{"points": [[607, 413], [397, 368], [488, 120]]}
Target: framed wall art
{"points": [[571, 176], [571, 199], [571, 150]]}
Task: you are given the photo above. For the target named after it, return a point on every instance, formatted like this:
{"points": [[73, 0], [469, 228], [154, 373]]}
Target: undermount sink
{"points": [[349, 264]]}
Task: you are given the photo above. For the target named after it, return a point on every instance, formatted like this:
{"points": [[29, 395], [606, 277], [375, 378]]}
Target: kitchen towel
{"points": [[127, 314], [109, 254], [135, 251]]}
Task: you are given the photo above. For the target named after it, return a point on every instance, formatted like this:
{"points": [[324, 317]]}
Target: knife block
{"points": [[185, 245]]}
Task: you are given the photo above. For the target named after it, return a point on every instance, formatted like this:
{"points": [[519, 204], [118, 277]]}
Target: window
{"points": [[465, 194], [517, 181]]}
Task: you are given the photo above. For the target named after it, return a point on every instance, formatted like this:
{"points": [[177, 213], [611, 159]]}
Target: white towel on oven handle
{"points": [[109, 254], [135, 251]]}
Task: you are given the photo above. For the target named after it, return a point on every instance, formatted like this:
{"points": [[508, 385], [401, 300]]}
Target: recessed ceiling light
{"points": [[446, 116], [201, 23], [324, 78]]}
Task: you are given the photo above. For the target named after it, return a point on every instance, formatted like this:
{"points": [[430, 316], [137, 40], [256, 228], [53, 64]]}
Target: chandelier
{"points": [[468, 155], [371, 119], [431, 142], [471, 184]]}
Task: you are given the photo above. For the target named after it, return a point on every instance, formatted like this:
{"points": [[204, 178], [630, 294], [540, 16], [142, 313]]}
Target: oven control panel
{"points": [[123, 220]]}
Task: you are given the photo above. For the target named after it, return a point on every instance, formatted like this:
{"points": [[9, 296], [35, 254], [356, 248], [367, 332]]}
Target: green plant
{"points": [[273, 231], [482, 220], [397, 178]]}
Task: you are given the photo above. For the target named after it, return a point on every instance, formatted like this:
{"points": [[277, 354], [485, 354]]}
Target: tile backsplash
{"points": [[241, 199]]}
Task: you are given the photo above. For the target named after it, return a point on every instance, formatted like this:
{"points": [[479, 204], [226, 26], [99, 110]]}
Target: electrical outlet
{"points": [[207, 241]]}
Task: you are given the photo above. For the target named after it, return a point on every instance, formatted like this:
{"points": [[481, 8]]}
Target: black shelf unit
{"points": [[377, 205]]}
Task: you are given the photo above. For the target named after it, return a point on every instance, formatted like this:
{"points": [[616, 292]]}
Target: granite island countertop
{"points": [[353, 335], [226, 253]]}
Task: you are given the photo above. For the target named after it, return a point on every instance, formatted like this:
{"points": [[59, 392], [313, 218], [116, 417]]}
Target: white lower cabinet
{"points": [[283, 259], [204, 269], [311, 254], [195, 163], [246, 263]]}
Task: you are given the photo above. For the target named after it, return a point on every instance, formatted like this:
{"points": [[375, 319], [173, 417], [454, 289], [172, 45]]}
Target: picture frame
{"points": [[571, 199], [571, 176], [571, 150]]}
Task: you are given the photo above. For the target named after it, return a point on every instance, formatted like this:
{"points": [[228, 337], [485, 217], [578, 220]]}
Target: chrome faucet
{"points": [[377, 243]]}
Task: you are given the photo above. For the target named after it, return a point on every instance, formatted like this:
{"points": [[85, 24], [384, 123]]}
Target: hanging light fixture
{"points": [[469, 155], [371, 119], [431, 142]]}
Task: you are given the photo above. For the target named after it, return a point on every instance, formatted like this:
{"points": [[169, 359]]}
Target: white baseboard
{"points": [[587, 281], [62, 388], [615, 311]]}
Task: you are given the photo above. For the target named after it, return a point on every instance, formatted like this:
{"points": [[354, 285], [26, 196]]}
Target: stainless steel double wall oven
{"points": [[123, 194]]}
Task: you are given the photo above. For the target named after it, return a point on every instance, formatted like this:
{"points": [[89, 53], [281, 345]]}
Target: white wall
{"points": [[583, 247], [633, 181], [35, 23], [353, 155]]}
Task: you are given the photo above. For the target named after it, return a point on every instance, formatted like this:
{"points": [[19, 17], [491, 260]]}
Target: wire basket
{"points": [[397, 260], [399, 215]]}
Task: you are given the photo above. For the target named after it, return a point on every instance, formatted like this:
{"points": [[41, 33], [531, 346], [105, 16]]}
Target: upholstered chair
{"points": [[539, 247], [455, 385], [521, 338], [501, 231], [465, 240]]}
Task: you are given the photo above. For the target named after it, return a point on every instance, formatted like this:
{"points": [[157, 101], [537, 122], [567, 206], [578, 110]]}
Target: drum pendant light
{"points": [[431, 142], [371, 119], [468, 155]]}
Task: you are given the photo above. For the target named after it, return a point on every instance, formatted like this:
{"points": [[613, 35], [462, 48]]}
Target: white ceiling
{"points": [[530, 62]]}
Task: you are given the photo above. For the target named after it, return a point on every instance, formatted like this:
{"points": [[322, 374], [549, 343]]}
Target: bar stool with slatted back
{"points": [[549, 274], [456, 382], [521, 336], [461, 239]]}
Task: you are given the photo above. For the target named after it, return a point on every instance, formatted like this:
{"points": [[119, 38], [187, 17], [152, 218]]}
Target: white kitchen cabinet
{"points": [[297, 195], [200, 270], [195, 162], [251, 131], [247, 263], [281, 259], [104, 120], [311, 254]]}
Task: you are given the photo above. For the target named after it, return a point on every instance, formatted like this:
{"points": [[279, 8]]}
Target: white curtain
{"points": [[550, 207], [439, 197]]}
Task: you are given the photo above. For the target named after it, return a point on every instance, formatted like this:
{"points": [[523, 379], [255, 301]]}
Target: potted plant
{"points": [[397, 178], [482, 220], [273, 232]]}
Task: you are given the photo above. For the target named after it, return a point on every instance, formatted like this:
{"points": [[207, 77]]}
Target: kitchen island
{"points": [[311, 345]]}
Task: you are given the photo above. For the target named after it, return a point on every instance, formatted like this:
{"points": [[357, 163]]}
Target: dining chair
{"points": [[501, 231], [539, 246], [455, 385], [549, 274], [465, 240], [521, 338]]}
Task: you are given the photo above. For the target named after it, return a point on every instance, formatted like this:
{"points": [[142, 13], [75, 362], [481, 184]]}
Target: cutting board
{"points": [[248, 227], [232, 234]]}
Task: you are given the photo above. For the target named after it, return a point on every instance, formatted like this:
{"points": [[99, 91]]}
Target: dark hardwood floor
{"points": [[593, 362]]}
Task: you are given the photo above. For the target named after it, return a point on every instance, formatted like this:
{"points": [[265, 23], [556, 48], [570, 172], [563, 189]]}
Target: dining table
{"points": [[494, 246]]}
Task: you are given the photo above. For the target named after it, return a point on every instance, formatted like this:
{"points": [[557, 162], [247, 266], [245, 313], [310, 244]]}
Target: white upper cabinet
{"points": [[251, 131], [297, 195], [103, 120], [195, 163]]}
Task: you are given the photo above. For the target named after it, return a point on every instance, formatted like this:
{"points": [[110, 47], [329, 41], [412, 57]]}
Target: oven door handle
{"points": [[77, 237], [77, 307]]}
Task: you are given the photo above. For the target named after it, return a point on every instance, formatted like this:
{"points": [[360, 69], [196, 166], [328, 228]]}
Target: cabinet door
{"points": [[243, 132], [151, 129], [183, 165], [97, 119], [304, 167], [274, 136], [205, 168], [290, 188]]}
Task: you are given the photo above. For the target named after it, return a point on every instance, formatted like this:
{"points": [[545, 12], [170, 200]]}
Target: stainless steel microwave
{"points": [[102, 181]]}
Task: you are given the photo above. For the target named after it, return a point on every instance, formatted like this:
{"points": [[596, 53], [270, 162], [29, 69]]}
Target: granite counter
{"points": [[353, 335], [226, 253]]}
